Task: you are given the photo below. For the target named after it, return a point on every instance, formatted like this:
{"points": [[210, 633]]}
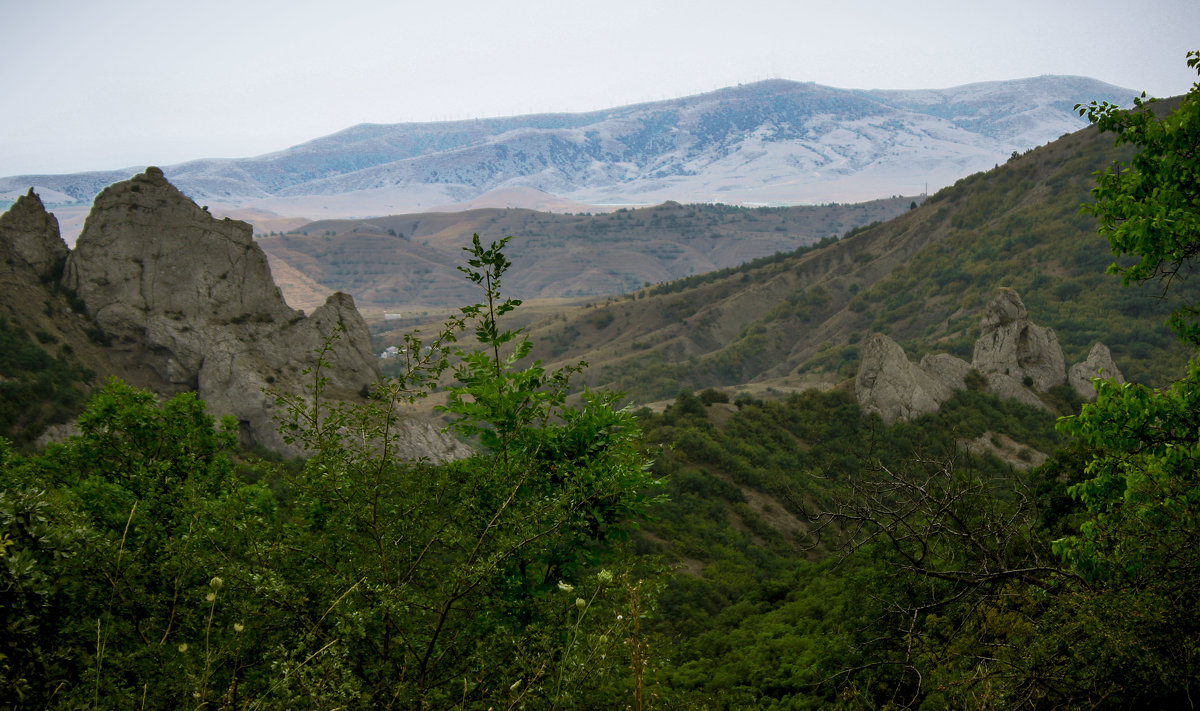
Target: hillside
{"points": [[921, 278], [771, 142], [406, 262]]}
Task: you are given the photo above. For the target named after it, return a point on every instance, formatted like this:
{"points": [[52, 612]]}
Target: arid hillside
{"points": [[407, 262]]}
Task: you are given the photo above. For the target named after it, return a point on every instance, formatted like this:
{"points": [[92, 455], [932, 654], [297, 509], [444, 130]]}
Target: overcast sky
{"points": [[91, 84]]}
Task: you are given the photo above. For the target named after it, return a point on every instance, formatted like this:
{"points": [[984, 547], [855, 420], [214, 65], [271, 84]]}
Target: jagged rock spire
{"points": [[1015, 356], [31, 234], [193, 297], [1011, 344]]}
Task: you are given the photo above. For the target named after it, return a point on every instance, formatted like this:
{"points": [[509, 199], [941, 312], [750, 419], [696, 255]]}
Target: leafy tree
{"points": [[1139, 546], [436, 584], [1150, 209], [117, 537], [140, 567]]}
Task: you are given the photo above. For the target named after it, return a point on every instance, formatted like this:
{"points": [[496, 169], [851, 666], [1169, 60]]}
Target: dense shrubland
{"points": [[959, 581], [766, 498], [147, 566]]}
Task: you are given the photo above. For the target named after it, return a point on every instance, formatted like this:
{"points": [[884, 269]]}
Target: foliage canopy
{"points": [[1150, 209]]}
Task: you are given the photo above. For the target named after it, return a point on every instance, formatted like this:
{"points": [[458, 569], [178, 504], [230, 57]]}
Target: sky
{"points": [[93, 85]]}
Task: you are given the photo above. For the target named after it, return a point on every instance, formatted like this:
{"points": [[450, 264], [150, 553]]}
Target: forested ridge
{"points": [[723, 553]]}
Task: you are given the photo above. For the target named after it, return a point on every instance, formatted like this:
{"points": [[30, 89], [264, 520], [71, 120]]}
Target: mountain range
{"points": [[772, 142]]}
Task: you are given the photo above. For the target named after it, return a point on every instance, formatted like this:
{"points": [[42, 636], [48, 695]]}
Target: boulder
{"points": [[1006, 387], [1099, 364], [1010, 344]]}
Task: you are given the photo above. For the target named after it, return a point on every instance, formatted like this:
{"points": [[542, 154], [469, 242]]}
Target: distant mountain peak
{"points": [[774, 141]]}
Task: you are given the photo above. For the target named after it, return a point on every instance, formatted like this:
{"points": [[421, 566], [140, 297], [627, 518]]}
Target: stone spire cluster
{"points": [[1015, 356]]}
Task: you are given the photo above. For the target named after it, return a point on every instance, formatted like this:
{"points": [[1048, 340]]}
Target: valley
{"points": [[796, 319], [658, 478]]}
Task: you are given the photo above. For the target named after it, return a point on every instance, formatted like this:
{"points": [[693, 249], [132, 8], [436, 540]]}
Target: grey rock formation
{"points": [[1006, 387], [1015, 356], [889, 384], [948, 371], [1011, 344], [193, 297], [29, 233], [1099, 364]]}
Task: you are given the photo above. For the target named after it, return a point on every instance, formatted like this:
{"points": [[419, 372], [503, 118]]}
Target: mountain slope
{"points": [[922, 278], [774, 141]]}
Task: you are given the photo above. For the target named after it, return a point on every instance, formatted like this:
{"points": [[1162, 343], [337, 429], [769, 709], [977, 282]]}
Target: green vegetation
{"points": [[145, 565], [1149, 211], [36, 388], [762, 616], [689, 282]]}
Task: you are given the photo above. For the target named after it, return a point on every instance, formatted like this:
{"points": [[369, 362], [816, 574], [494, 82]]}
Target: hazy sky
{"points": [[92, 84]]}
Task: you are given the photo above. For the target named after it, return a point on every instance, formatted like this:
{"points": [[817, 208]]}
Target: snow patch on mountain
{"points": [[776, 141]]}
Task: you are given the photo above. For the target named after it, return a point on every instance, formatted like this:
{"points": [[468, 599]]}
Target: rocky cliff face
{"points": [[1016, 357], [32, 255], [192, 297]]}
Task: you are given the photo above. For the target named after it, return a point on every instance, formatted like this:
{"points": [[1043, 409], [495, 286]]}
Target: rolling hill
{"points": [[408, 262]]}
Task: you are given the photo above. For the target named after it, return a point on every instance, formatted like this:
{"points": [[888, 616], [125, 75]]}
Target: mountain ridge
{"points": [[770, 142]]}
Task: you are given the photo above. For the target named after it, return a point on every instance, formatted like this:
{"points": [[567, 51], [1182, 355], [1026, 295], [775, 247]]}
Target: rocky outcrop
{"points": [[1010, 344], [192, 296], [1006, 387], [1099, 364], [897, 389], [950, 372], [30, 234], [1015, 357]]}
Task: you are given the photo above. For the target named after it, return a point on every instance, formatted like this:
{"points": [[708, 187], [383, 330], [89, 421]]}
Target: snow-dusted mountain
{"points": [[775, 141]]}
